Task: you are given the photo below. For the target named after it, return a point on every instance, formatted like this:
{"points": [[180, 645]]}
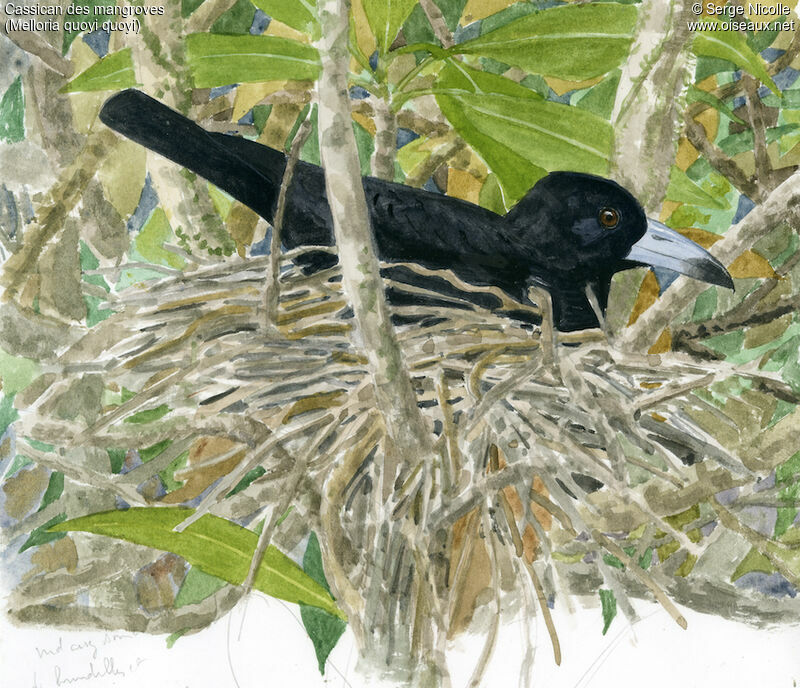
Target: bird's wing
{"points": [[409, 224]]}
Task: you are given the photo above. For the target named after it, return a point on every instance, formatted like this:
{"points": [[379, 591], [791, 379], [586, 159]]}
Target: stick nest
{"points": [[572, 465]]}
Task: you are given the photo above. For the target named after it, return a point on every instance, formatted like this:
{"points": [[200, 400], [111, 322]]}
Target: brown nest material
{"points": [[569, 465]]}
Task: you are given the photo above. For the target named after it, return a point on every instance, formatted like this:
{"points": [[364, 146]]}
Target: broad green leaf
{"points": [[608, 604], [218, 547], [385, 18], [684, 190], [299, 14], [12, 113], [731, 46], [114, 72], [520, 135], [572, 42], [218, 60], [323, 628]]}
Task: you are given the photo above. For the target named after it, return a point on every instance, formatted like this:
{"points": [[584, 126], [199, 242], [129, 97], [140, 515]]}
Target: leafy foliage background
{"points": [[121, 270]]}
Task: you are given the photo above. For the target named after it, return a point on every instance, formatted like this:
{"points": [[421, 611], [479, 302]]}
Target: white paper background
{"points": [[263, 645]]}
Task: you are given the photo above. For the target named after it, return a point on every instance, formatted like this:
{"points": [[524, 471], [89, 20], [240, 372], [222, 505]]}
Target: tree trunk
{"points": [[647, 110], [390, 644]]}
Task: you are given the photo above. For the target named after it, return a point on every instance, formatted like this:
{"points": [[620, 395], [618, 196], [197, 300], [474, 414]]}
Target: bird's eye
{"points": [[608, 217]]}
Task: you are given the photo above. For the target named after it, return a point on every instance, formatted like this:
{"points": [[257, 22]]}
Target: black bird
{"points": [[571, 231]]}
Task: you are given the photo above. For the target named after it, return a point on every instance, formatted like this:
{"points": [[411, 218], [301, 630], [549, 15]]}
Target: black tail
{"points": [[248, 171]]}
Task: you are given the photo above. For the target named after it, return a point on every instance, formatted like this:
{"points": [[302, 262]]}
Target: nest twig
{"points": [[575, 460]]}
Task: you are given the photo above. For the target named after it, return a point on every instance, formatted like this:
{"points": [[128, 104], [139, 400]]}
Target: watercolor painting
{"points": [[419, 316]]}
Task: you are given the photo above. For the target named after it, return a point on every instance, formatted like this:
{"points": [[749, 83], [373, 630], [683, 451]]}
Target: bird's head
{"points": [[582, 229]]}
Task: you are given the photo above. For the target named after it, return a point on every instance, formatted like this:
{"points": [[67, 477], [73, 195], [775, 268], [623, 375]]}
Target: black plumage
{"points": [[570, 232]]}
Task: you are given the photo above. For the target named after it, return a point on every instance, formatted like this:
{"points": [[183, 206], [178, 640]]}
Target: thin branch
{"points": [[272, 292], [755, 110], [491, 635], [205, 15], [33, 44], [642, 575], [782, 205], [289, 493], [727, 167], [537, 584], [437, 22]]}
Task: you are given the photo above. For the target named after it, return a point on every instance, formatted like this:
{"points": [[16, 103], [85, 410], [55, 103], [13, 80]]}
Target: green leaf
{"points": [[753, 561], [116, 459], [248, 478], [572, 42], [790, 99], [520, 135], [323, 628], [167, 474], [152, 452], [54, 489], [95, 314], [742, 141], [16, 372], [696, 95], [731, 46], [684, 190], [189, 6], [149, 242], [608, 604], [42, 535], [491, 196], [218, 547], [114, 72], [600, 98], [237, 20], [148, 415], [217, 60], [8, 414], [299, 14], [385, 18], [19, 461], [196, 587], [12, 113]]}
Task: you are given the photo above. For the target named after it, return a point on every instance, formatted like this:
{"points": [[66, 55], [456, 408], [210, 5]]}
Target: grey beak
{"points": [[662, 247]]}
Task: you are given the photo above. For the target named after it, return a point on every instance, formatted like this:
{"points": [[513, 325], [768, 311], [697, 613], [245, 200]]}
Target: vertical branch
{"points": [[272, 292], [754, 114], [360, 270], [646, 112], [385, 140], [437, 22]]}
